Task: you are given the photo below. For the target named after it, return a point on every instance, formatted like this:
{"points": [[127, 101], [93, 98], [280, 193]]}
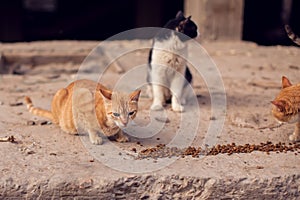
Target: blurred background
{"points": [[260, 21]]}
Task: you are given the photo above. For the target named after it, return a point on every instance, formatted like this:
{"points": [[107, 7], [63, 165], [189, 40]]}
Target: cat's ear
{"points": [[179, 14], [280, 105], [285, 82], [134, 96], [106, 93]]}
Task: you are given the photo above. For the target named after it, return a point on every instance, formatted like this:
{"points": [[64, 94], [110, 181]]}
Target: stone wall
{"points": [[217, 19]]}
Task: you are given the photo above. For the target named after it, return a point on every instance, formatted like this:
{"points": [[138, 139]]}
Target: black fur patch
{"points": [[188, 75], [179, 24]]}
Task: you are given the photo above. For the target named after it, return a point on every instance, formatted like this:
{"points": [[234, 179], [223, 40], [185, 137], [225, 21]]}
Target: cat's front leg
{"points": [[158, 97], [95, 138], [177, 91], [120, 137], [296, 135]]}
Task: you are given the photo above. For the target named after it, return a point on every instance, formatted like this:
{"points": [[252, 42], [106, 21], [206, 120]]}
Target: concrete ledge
{"points": [[46, 163], [160, 187]]}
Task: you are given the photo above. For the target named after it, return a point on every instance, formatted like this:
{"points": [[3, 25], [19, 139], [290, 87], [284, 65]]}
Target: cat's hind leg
{"points": [[296, 135], [187, 94]]}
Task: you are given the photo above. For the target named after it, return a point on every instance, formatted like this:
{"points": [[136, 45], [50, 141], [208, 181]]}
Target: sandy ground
{"points": [[249, 74]]}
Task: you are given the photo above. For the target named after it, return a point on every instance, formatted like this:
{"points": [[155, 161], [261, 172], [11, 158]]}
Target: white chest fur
{"points": [[170, 52]]}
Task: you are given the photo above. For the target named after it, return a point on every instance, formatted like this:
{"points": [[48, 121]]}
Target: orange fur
{"points": [[286, 106], [87, 106]]}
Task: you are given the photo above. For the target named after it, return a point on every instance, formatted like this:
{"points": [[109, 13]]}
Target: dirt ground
{"points": [[251, 76]]}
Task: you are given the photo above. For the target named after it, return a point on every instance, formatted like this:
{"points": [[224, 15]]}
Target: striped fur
{"points": [[286, 106], [87, 106], [38, 111]]}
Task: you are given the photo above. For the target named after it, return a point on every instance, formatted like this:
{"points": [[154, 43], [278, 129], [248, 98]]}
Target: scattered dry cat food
{"points": [[247, 148], [163, 151], [139, 143], [192, 151]]}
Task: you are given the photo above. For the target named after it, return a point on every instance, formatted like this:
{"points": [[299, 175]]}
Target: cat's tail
{"points": [[295, 38], [37, 111]]}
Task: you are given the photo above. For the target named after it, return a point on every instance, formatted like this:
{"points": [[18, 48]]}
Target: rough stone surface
{"points": [[45, 162]]}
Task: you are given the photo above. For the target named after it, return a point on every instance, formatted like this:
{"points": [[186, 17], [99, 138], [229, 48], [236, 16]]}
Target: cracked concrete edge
{"points": [[157, 187]]}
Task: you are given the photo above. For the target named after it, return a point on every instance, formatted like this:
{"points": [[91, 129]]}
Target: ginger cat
{"points": [[286, 106], [87, 106]]}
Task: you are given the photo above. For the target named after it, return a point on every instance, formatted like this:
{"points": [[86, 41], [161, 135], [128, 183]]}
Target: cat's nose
{"points": [[124, 121]]}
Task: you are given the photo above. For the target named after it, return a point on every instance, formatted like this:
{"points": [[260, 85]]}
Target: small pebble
{"points": [[16, 104], [31, 123], [162, 119], [30, 152]]}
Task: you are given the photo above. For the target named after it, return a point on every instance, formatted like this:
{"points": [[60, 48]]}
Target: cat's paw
{"points": [[96, 140], [294, 137], [156, 107], [122, 139], [177, 108]]}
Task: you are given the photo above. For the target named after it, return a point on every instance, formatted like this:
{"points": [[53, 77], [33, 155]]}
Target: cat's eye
{"points": [[131, 113], [116, 114]]}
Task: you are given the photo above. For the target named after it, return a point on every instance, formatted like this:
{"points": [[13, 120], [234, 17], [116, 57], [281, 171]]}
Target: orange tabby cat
{"points": [[85, 105], [287, 106]]}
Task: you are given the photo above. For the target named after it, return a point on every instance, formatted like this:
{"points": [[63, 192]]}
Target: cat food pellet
{"points": [[42, 123], [134, 150]]}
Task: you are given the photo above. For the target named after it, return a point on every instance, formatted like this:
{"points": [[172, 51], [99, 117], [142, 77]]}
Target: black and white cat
{"points": [[168, 73]]}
